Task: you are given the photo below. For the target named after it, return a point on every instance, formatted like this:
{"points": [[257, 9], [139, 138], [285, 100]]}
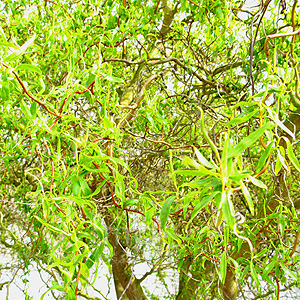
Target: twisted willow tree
{"points": [[156, 133]]}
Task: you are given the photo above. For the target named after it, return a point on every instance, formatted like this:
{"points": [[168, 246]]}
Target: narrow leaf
{"points": [[120, 186], [242, 119], [203, 160], [254, 275], [130, 202], [200, 172], [172, 235], [223, 266], [257, 182], [206, 136], [278, 164], [275, 118], [228, 210], [288, 271], [202, 204], [29, 68], [52, 228], [20, 51], [249, 140], [248, 197], [264, 157], [292, 156], [25, 110], [281, 156], [165, 211]]}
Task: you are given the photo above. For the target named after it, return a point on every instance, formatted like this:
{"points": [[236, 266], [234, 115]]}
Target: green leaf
{"points": [[263, 158], [200, 205], [238, 271], [120, 187], [94, 257], [107, 123], [86, 235], [281, 156], [238, 176], [189, 162], [29, 68], [85, 189], [219, 12], [281, 224], [149, 215], [249, 140], [206, 136], [33, 109], [275, 118], [99, 229], [262, 252], [278, 164], [170, 232], [76, 188], [54, 287], [206, 182], [227, 209], [247, 197], [187, 200], [25, 110], [15, 55], [7, 44], [292, 156], [4, 37], [260, 94], [203, 160], [165, 211], [130, 202], [288, 271], [242, 119], [257, 182], [223, 266], [201, 171], [84, 271], [111, 78], [254, 275], [52, 228]]}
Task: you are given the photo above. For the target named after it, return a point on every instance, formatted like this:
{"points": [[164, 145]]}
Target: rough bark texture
{"points": [[230, 287], [187, 285], [122, 269]]}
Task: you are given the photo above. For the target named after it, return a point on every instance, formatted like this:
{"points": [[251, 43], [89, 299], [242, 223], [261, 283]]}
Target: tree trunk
{"points": [[187, 286], [123, 278]]}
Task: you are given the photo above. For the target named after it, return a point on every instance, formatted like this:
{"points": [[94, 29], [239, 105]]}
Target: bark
{"points": [[121, 267], [187, 285], [168, 18], [230, 287]]}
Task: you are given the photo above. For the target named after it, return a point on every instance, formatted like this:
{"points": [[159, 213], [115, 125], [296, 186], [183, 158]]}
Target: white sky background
{"points": [[36, 286]]}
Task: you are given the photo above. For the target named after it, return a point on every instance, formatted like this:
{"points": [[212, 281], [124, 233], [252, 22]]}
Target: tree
{"points": [[151, 131]]}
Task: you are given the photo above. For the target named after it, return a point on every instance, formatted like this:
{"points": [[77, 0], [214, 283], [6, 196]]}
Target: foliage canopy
{"points": [[157, 133]]}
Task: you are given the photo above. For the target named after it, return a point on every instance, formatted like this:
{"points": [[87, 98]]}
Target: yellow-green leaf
{"points": [[249, 140], [165, 211]]}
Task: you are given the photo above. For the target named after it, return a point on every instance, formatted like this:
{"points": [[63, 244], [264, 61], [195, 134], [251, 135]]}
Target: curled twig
{"points": [[27, 93]]}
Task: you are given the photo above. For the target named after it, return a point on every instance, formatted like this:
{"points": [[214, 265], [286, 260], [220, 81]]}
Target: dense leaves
{"points": [[160, 134]]}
